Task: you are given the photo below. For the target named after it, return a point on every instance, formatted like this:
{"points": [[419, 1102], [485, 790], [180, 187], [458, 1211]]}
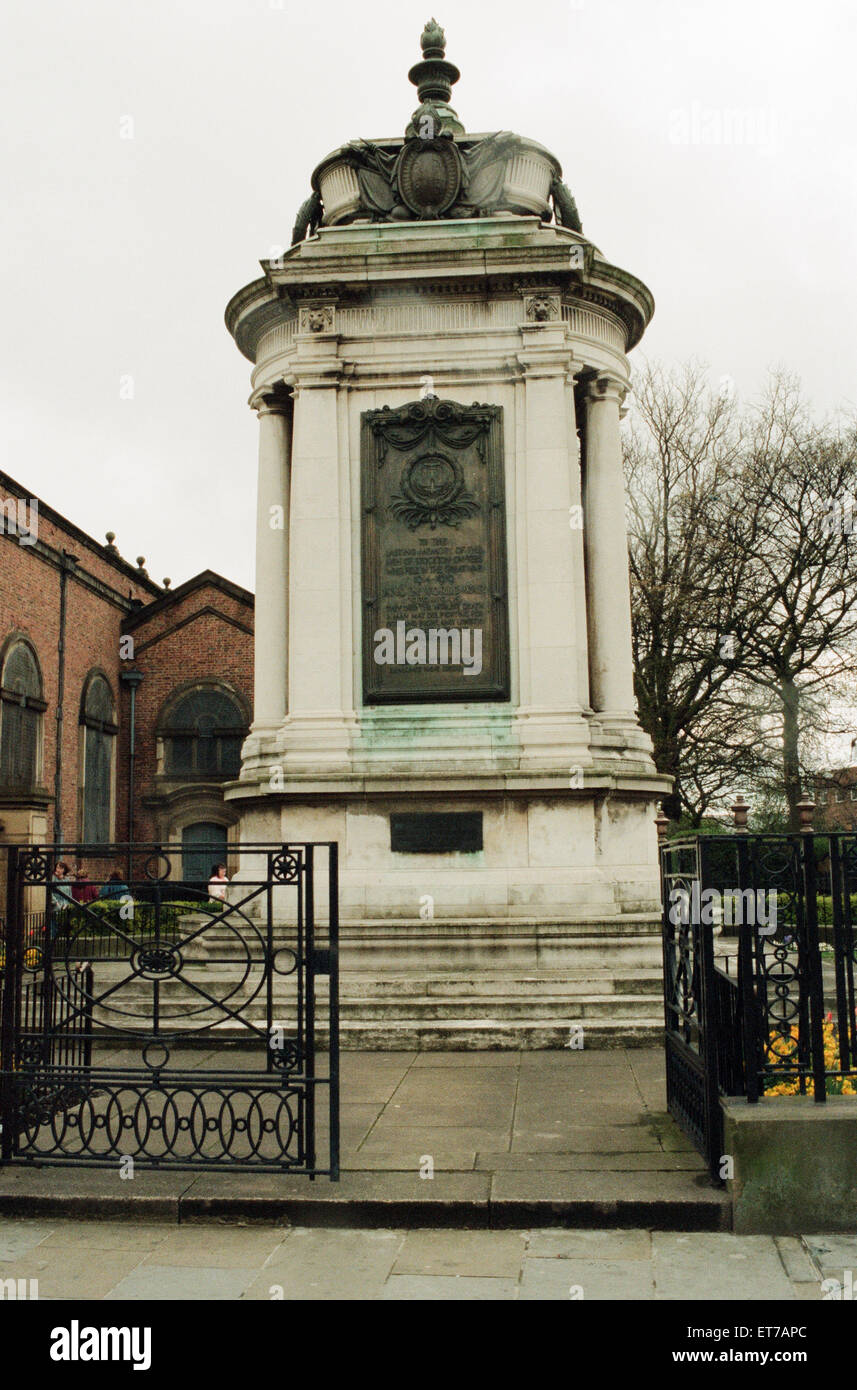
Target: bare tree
{"points": [[744, 584], [682, 455], [798, 638]]}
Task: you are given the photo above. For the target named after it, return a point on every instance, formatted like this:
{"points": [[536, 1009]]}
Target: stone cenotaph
{"points": [[444, 679]]}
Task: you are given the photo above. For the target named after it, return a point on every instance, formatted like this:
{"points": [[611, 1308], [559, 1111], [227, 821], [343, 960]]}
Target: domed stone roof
{"points": [[437, 171]]}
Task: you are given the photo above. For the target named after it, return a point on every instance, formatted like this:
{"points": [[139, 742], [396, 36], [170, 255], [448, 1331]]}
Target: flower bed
{"points": [[782, 1048]]}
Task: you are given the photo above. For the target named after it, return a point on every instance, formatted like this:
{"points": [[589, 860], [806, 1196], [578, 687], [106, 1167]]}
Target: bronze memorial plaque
{"points": [[435, 623]]}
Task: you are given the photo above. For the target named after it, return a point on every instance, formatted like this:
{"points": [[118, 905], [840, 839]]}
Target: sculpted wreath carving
{"points": [[432, 493]]}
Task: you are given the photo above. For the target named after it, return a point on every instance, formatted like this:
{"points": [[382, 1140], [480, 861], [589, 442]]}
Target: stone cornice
{"points": [[487, 256]]}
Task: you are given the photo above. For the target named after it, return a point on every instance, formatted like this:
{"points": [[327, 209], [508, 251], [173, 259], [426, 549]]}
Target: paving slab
{"points": [[599, 1138], [327, 1264], [467, 1061], [628, 1162], [364, 1083], [224, 1247], [718, 1265], [17, 1238], [491, 1254], [97, 1237], [433, 1289], [559, 1116], [590, 1057], [63, 1274], [170, 1282], [439, 1116], [575, 1279], [833, 1254], [445, 1087], [407, 1159], [412, 1139], [590, 1245], [796, 1260]]}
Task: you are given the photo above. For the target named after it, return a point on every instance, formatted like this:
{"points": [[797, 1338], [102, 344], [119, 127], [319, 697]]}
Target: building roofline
{"points": [[116, 561], [205, 579]]}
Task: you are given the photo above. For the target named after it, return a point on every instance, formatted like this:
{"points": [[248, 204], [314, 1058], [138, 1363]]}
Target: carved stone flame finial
{"points": [[434, 77], [433, 40]]}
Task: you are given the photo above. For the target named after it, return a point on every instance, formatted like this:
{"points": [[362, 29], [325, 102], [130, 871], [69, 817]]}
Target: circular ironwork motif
{"points": [[35, 866], [285, 961], [429, 176], [153, 867], [155, 1055], [119, 996], [287, 1057], [33, 959], [215, 1122], [285, 867], [31, 1053], [156, 962]]}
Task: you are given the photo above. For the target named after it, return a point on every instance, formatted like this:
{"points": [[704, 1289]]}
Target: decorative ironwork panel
{"points": [[779, 1017], [143, 1020]]}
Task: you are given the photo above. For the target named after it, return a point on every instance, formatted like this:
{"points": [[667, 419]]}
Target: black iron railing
{"points": [[757, 1002], [169, 1029]]}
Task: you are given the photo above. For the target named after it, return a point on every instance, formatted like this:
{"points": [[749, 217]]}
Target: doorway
{"points": [[203, 845]]}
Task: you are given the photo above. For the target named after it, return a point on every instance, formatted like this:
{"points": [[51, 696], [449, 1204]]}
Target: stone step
{"points": [[357, 985], [582, 954], [558, 1010], [477, 1034], [563, 1012], [450, 991]]}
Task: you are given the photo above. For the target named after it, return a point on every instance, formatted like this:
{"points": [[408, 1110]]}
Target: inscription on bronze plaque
{"points": [[435, 622]]}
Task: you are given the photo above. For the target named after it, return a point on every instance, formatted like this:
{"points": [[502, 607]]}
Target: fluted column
{"points": [[317, 732], [608, 589], [272, 561], [548, 661]]}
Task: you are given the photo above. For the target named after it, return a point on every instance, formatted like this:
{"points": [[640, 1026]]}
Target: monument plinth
{"points": [[443, 611]]}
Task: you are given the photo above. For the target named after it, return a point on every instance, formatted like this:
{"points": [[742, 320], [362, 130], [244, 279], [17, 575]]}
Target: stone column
{"points": [[318, 727], [549, 715], [608, 588], [272, 561]]}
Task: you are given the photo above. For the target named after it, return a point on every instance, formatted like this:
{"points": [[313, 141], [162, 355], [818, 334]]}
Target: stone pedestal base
{"points": [[547, 855]]}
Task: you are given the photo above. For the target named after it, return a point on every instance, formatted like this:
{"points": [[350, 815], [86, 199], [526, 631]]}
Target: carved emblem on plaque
{"points": [[429, 176], [432, 493]]}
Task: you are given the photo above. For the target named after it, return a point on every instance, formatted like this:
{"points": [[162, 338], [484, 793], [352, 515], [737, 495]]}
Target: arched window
{"points": [[203, 734], [21, 709], [97, 716]]}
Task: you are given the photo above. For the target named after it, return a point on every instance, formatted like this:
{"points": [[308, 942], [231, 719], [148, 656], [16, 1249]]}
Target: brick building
{"points": [[84, 637], [835, 795]]}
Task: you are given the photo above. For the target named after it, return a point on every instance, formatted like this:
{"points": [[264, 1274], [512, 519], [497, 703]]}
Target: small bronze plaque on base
{"points": [[436, 832], [435, 621]]}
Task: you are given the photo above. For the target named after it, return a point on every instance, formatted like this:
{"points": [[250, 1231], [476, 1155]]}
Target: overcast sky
{"points": [[710, 147]]}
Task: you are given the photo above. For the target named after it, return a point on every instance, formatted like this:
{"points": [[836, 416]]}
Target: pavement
{"points": [[134, 1260], [498, 1140]]}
